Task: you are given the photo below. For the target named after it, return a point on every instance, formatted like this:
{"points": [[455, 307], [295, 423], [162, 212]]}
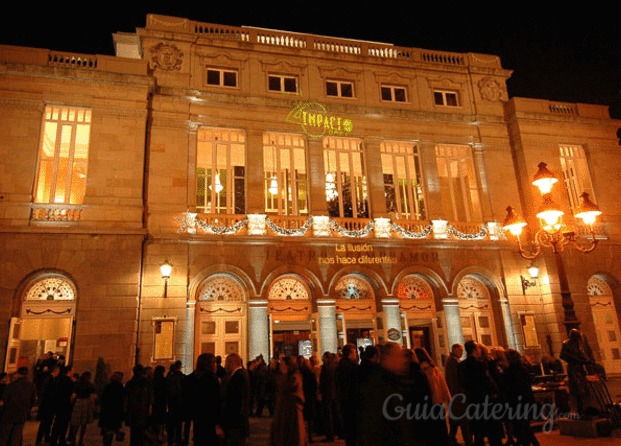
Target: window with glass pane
{"points": [[458, 183], [63, 155], [220, 171], [346, 182], [576, 174], [287, 84], [221, 77], [285, 184], [403, 180]]}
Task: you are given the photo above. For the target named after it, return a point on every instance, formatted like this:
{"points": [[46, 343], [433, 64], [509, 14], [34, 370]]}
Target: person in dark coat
{"points": [[385, 393], [517, 384], [63, 407], [204, 400], [574, 353], [236, 402], [45, 412], [84, 396], [457, 420], [18, 399], [347, 391], [327, 390], [112, 405], [174, 395], [159, 410], [475, 378], [138, 403], [309, 386], [4, 381]]}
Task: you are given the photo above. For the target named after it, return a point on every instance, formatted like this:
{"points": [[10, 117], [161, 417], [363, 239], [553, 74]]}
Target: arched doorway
{"points": [[290, 317], [45, 322], [421, 325], [221, 316], [606, 324], [475, 309], [355, 311]]}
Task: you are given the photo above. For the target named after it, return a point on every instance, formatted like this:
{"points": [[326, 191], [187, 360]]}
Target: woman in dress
{"points": [[83, 398], [288, 423]]}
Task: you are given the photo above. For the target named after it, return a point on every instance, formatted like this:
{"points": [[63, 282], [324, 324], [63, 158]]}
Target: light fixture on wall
{"points": [[165, 271], [533, 272], [554, 234]]}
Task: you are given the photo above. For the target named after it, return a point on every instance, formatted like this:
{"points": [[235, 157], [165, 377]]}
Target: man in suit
{"points": [[236, 402], [457, 418], [17, 399]]}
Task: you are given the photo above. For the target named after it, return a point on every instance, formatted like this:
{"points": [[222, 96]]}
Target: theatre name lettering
{"points": [[363, 254]]}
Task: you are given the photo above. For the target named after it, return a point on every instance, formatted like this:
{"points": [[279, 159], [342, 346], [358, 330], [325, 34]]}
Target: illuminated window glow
{"points": [[63, 155], [220, 171], [576, 175], [458, 183], [343, 164], [403, 180], [284, 158]]}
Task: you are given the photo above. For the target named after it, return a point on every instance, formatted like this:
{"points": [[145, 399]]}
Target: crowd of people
{"points": [[391, 395], [383, 394]]}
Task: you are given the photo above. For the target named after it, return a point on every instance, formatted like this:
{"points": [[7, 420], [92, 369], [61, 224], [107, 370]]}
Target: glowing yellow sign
{"points": [[314, 118]]}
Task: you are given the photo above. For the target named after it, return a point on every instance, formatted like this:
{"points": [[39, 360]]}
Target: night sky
{"points": [[574, 58]]}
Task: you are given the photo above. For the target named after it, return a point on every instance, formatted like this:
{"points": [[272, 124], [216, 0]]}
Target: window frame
{"points": [[60, 116], [222, 72], [444, 94], [339, 84], [392, 90], [283, 78]]}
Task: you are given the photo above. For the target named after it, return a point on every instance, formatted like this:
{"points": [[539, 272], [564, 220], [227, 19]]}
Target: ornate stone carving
{"points": [[166, 57], [490, 89], [221, 287], [51, 288], [288, 288], [413, 287]]}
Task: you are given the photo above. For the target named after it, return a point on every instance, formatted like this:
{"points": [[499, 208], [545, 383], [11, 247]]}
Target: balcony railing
{"points": [[324, 226], [55, 213]]}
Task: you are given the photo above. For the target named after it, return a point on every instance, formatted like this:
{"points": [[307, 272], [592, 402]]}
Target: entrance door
{"points": [[477, 325], [221, 335], [291, 338], [420, 337]]}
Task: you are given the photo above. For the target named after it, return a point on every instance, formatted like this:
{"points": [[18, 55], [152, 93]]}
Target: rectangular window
{"points": [[346, 181], [575, 174], [342, 89], [63, 155], [458, 183], [403, 180], [221, 77], [284, 84], [445, 98], [286, 177], [163, 339], [393, 93], [220, 171]]}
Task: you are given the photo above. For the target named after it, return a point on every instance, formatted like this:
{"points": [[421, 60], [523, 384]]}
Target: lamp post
{"points": [[554, 234]]}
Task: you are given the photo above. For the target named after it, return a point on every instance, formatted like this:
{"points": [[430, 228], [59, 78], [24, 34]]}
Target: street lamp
{"points": [[553, 233]]}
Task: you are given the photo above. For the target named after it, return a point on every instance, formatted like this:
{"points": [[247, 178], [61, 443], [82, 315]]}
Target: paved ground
{"points": [[260, 427]]}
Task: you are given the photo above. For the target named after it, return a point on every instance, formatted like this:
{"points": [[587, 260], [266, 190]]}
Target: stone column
{"points": [[393, 320], [187, 360], [258, 330], [327, 325], [453, 321], [508, 323]]}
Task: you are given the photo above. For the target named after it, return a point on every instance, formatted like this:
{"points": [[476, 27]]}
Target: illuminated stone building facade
{"points": [[306, 190]]}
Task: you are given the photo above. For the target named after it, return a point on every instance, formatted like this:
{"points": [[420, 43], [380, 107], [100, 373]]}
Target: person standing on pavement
{"points": [[18, 399], [138, 404], [45, 412], [347, 391], [236, 402], [204, 402], [62, 407], [456, 420], [112, 404]]}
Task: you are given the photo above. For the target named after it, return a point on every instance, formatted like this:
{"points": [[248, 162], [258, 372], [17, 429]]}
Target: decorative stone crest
{"points": [[166, 57], [489, 89]]}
